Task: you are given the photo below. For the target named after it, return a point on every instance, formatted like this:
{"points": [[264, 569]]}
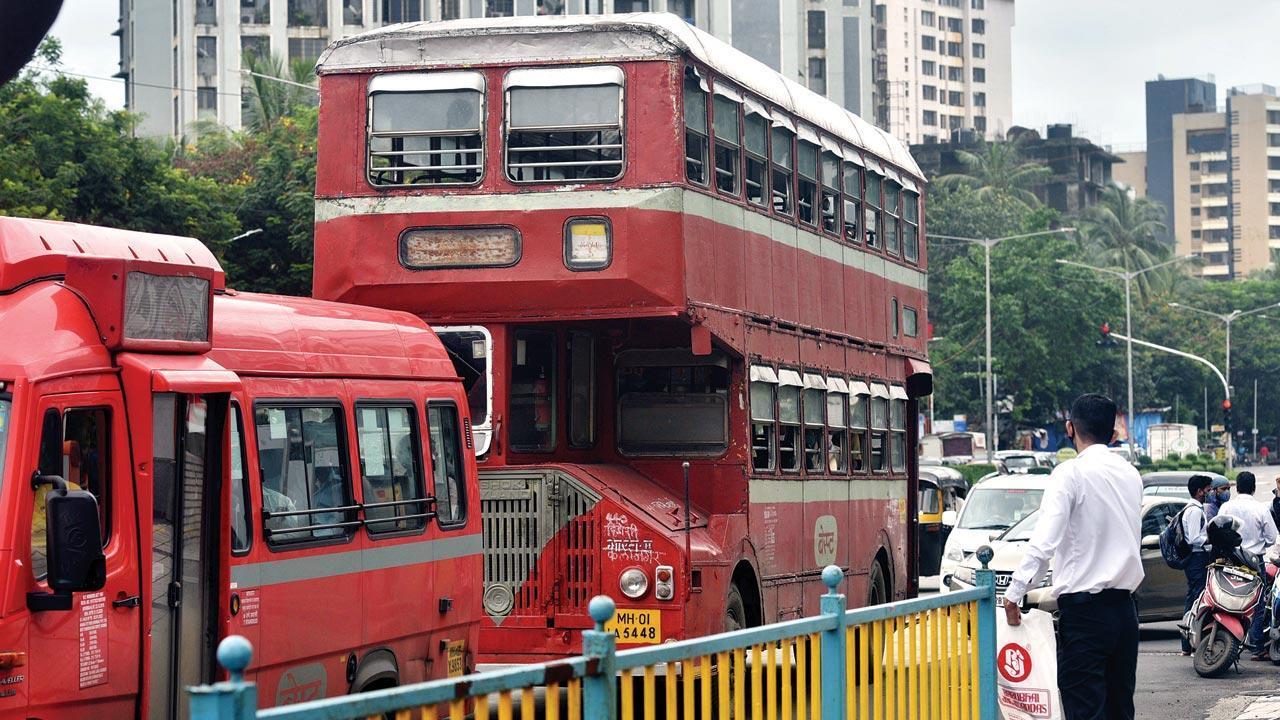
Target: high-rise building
{"points": [[943, 66], [182, 59], [1131, 171], [1225, 172], [1166, 98]]}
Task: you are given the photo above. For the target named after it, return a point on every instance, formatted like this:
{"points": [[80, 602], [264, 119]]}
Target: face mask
{"points": [[1224, 496]]}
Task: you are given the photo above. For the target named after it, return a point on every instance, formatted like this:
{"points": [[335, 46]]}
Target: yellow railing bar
{"points": [[575, 699], [815, 677], [850, 675], [482, 708], [553, 701], [650, 695], [739, 684], [877, 670], [786, 664], [900, 631], [722, 684], [939, 710], [706, 688], [628, 696], [429, 712], [965, 648], [953, 624], [975, 691], [802, 671], [916, 690], [670, 683], [757, 686], [686, 681], [864, 671], [771, 683], [457, 709]]}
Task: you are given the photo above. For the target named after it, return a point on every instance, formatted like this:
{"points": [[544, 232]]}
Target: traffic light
{"points": [[1226, 416], [1106, 340]]}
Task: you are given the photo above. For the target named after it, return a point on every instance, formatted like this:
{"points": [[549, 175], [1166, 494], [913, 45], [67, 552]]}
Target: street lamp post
{"points": [[987, 244], [1128, 277], [1227, 319]]}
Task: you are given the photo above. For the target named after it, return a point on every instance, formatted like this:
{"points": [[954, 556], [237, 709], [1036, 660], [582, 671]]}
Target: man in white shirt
{"points": [[1090, 520], [1194, 529], [1257, 532]]}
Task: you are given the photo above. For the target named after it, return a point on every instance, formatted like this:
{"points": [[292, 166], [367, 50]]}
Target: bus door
{"points": [[83, 658], [187, 480]]}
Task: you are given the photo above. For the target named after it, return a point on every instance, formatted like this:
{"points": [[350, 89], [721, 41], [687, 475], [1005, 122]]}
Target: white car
{"points": [[992, 506], [1018, 461]]}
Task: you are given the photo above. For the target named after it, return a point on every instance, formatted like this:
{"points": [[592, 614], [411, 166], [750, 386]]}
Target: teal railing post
{"points": [[599, 646], [987, 620], [833, 640], [234, 699]]}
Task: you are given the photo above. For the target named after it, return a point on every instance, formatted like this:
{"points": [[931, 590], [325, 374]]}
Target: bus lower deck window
{"points": [[763, 396], [879, 428], [814, 432], [447, 465], [564, 124], [898, 437], [837, 461], [789, 428], [425, 129], [303, 460], [533, 392], [391, 468]]}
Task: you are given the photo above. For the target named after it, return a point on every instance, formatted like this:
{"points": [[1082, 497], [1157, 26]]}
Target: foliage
{"points": [[999, 170], [66, 157], [1128, 233], [270, 100], [973, 472]]}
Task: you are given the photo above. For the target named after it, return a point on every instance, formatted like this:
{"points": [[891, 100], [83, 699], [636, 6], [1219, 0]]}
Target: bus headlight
{"points": [[664, 587], [633, 582]]}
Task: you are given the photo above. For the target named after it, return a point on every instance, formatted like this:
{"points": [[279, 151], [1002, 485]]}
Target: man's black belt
{"points": [[1110, 595]]}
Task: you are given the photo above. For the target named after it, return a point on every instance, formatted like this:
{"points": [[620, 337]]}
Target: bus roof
{"points": [[38, 249], [256, 334], [590, 38]]}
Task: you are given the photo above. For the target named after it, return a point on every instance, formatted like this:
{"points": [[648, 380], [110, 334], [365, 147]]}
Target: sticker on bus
{"points": [[639, 627]]}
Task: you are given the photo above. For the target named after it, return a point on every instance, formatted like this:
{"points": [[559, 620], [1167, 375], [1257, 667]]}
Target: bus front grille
{"points": [[540, 543]]}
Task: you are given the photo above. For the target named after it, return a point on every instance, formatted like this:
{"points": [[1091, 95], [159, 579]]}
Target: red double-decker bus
{"points": [[687, 297]]}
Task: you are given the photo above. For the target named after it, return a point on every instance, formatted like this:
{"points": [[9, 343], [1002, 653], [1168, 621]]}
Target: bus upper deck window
{"points": [[755, 140], [780, 152], [830, 192], [564, 124], [807, 167], [852, 197], [426, 129], [911, 226], [891, 194], [728, 153], [871, 203], [695, 128]]}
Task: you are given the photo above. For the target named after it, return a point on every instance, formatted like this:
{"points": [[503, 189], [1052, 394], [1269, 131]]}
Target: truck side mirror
{"points": [[73, 542]]}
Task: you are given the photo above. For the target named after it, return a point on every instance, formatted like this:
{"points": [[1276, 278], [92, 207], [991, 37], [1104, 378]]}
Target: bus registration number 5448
{"points": [[640, 627]]}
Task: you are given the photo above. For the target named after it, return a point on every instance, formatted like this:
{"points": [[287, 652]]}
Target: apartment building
{"points": [[1226, 183], [943, 66], [182, 59], [1165, 98], [1130, 171]]}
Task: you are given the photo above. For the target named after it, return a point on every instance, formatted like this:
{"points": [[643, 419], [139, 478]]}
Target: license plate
{"points": [[455, 653], [637, 627]]}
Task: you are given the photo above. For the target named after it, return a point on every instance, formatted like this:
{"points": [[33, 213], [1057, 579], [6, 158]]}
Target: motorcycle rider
{"points": [[1257, 532], [1219, 493], [1193, 527]]}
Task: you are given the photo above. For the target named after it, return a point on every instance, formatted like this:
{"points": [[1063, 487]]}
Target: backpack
{"points": [[1173, 543]]}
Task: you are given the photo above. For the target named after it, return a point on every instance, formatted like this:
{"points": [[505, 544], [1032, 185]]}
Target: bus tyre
{"points": [[877, 588], [735, 611]]}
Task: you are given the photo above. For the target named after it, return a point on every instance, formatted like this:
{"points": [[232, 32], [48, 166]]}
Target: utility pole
{"points": [[1255, 417]]}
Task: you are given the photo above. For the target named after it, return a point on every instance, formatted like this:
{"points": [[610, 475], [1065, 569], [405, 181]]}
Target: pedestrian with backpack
{"points": [[1199, 554]]}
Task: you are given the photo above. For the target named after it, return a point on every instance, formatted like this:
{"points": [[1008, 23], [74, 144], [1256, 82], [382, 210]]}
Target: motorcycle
{"points": [[1218, 621]]}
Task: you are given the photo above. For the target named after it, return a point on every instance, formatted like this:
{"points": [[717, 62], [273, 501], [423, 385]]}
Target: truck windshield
{"points": [[6, 406]]}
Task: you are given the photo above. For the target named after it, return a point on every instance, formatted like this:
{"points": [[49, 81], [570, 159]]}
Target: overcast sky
{"points": [[1077, 61]]}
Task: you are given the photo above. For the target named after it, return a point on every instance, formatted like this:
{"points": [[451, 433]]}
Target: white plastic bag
{"points": [[1027, 668]]}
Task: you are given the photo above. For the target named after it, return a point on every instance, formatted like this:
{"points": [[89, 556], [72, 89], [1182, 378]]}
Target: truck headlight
{"points": [[633, 582]]}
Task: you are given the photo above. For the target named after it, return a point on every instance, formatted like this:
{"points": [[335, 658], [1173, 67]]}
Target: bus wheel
{"points": [[877, 589], [735, 611]]}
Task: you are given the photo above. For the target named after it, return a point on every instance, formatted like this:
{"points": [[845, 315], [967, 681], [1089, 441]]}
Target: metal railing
{"points": [[925, 658]]}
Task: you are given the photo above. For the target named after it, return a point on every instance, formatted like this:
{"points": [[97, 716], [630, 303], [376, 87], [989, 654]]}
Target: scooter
{"points": [[1218, 621]]}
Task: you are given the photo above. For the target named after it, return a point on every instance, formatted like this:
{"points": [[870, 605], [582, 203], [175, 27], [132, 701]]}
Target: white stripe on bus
{"points": [[668, 199], [764, 491], [350, 562]]}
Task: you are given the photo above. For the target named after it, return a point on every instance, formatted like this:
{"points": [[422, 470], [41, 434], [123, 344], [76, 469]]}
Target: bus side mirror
{"points": [[73, 542]]}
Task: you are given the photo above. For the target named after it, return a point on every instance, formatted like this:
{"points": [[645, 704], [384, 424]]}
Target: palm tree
{"points": [[273, 92], [998, 170], [1130, 233]]}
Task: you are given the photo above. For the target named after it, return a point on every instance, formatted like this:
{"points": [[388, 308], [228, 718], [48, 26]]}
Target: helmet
{"points": [[1224, 532]]}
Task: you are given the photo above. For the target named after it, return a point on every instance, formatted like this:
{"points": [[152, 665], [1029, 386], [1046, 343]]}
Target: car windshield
{"points": [[1020, 462], [1021, 531], [1165, 490], [998, 508]]}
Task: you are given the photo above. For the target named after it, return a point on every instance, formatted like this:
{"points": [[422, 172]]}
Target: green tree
{"points": [[999, 170], [1127, 232], [276, 91], [66, 157]]}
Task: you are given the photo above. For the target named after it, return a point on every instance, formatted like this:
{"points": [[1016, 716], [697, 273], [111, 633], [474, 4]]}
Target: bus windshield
{"points": [[998, 508], [6, 406], [673, 409]]}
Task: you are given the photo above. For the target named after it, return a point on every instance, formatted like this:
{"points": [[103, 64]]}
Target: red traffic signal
{"points": [[1226, 404], [1106, 329], [1106, 340]]}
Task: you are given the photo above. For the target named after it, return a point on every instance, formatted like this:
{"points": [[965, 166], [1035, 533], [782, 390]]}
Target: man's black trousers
{"points": [[1097, 655]]}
